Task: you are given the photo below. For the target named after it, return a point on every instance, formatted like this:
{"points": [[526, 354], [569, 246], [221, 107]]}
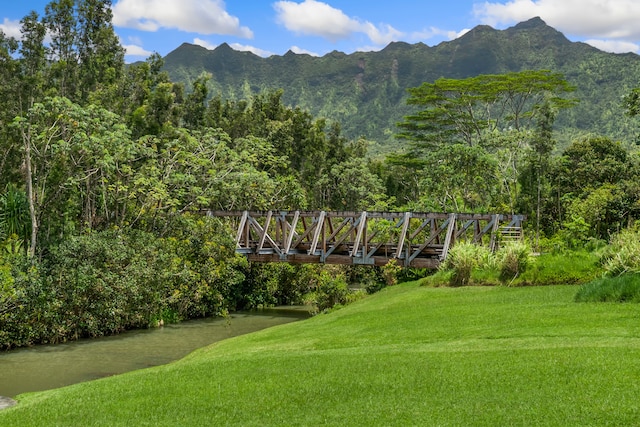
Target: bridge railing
{"points": [[415, 239]]}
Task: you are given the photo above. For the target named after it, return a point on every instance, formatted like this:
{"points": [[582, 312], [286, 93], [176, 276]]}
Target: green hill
{"points": [[408, 355], [366, 91]]}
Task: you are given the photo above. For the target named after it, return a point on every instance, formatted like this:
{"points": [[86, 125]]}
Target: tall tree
{"points": [[631, 105], [10, 153], [99, 51], [62, 25], [33, 62], [195, 105]]}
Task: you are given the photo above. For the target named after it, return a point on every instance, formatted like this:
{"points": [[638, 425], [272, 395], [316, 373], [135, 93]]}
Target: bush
{"points": [[329, 291], [390, 272], [625, 288], [269, 284]]}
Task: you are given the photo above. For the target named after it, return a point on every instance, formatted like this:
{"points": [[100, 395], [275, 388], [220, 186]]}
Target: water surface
{"points": [[51, 366]]}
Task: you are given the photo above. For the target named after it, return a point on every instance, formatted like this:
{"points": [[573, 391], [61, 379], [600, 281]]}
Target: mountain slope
{"points": [[366, 91]]}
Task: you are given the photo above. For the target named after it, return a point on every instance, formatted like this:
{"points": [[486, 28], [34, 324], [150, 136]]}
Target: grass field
{"points": [[409, 355]]}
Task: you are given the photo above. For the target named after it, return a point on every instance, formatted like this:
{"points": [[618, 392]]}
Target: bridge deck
{"points": [[416, 239]]}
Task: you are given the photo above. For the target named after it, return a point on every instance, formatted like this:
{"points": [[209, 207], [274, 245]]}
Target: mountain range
{"points": [[366, 91]]}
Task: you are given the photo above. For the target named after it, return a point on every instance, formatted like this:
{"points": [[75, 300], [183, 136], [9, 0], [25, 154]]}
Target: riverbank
{"points": [[46, 367], [408, 355]]}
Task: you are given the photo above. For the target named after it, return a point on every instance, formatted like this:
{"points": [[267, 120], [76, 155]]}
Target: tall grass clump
{"points": [[621, 263], [623, 254], [462, 259], [513, 259]]}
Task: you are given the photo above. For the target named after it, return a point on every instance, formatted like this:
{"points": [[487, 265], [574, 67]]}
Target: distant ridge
{"points": [[366, 91]]}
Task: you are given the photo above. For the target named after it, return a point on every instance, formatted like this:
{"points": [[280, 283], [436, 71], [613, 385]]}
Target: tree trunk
{"points": [[29, 181]]}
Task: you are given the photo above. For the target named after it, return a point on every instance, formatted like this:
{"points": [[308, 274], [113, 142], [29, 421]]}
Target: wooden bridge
{"points": [[413, 239]]}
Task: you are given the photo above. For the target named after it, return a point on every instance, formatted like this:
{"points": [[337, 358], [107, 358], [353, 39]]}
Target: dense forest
{"points": [[106, 167]]}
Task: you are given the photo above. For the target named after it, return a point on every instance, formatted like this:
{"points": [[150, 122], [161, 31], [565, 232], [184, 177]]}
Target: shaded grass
{"points": [[408, 355], [625, 288]]}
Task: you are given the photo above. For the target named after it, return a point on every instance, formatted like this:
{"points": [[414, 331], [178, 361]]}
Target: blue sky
{"points": [[272, 27]]}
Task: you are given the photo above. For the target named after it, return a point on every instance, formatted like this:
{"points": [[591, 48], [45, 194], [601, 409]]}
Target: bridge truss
{"points": [[413, 239]]}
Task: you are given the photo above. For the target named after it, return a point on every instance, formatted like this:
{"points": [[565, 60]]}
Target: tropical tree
{"points": [[14, 216], [495, 118], [467, 110]]}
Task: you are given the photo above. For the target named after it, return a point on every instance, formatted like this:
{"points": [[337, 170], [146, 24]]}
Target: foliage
{"points": [[105, 282], [330, 291], [623, 288], [14, 216], [463, 111], [269, 284], [595, 182], [390, 272]]}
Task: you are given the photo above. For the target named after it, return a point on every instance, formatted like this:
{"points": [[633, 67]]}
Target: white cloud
{"points": [[205, 44], [614, 46], [11, 28], [607, 19], [135, 50], [252, 49], [382, 35], [196, 16], [316, 18], [431, 32], [300, 51]]}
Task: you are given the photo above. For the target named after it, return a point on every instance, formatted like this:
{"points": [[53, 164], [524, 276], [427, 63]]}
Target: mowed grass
{"points": [[409, 355]]}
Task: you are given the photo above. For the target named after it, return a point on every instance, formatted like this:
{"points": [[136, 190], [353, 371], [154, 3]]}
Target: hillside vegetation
{"points": [[408, 355], [366, 91]]}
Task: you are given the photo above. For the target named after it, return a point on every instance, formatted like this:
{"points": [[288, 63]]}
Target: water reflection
{"points": [[51, 366]]}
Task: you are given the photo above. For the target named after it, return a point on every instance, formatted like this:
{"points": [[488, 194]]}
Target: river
{"points": [[51, 366]]}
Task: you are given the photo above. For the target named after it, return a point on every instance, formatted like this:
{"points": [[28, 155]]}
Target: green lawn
{"points": [[408, 355]]}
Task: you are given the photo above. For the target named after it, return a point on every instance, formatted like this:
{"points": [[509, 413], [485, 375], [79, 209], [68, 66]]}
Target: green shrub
{"points": [[105, 282], [329, 291], [390, 272], [625, 288]]}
